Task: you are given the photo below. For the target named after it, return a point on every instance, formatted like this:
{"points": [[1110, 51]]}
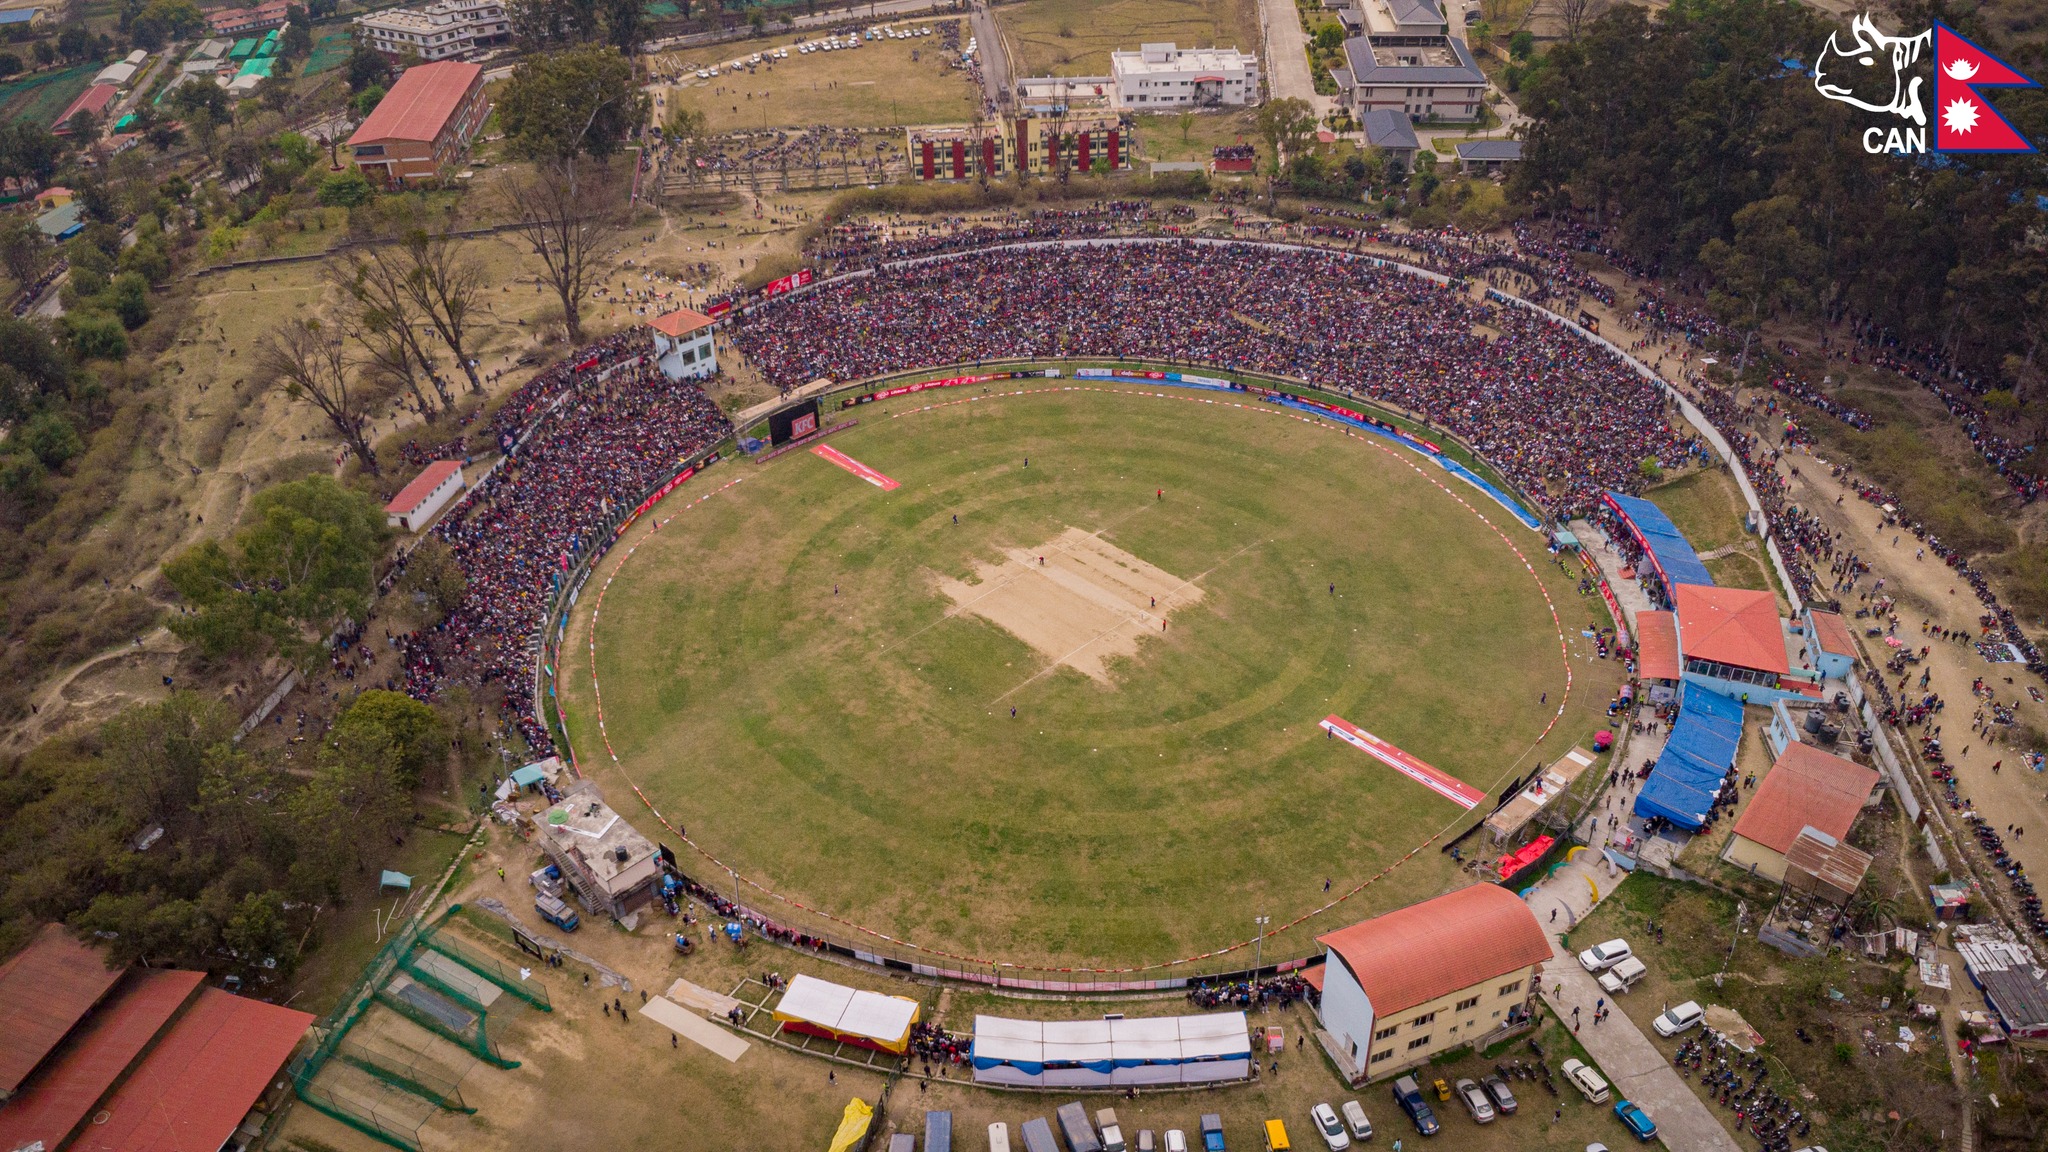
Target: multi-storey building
{"points": [[444, 30]]}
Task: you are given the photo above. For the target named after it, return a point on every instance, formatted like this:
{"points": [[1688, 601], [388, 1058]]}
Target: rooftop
{"points": [[59, 1097], [680, 323], [1418, 953], [1831, 634], [45, 989], [1731, 626], [420, 105], [414, 494], [1442, 60], [198, 1081], [1386, 128], [18, 15], [1805, 788], [585, 827], [1657, 651], [1490, 150]]}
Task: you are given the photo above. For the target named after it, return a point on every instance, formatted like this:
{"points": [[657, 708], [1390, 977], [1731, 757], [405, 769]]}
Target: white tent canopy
{"points": [[1098, 1053]]}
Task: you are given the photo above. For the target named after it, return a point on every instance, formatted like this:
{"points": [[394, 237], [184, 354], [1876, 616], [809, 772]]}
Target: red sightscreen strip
{"points": [[856, 467], [59, 1097], [202, 1077], [1436, 780]]}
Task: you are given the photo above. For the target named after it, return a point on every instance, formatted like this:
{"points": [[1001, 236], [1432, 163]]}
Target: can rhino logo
{"points": [[1879, 72], [1874, 71]]}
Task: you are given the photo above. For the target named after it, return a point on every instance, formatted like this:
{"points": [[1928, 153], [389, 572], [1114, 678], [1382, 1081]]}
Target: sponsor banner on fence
{"points": [[1187, 378], [789, 283], [718, 311], [658, 493], [1442, 783], [948, 382]]}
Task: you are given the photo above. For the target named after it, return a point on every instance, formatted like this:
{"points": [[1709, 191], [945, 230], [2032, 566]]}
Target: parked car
{"points": [[1408, 1094], [1622, 976], [1330, 1127], [1601, 957], [1212, 1132], [1676, 1020], [1037, 1136], [999, 1137], [1073, 1122], [1176, 1140], [1112, 1132], [1590, 1083], [555, 912], [1638, 1121], [1354, 1115], [1503, 1099], [1475, 1101]]}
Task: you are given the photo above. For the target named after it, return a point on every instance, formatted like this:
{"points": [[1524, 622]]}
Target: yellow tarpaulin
{"points": [[853, 1125]]}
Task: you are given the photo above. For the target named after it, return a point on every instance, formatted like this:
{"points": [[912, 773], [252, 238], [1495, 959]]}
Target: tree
{"points": [[1522, 44], [414, 735], [301, 562], [9, 64], [1186, 121], [582, 102], [33, 367], [385, 318], [96, 335], [345, 189], [274, 93], [448, 289], [24, 252], [1286, 124], [30, 149], [623, 20], [1769, 266], [393, 351], [432, 582], [367, 100], [1575, 13], [569, 228], [366, 68], [308, 362]]}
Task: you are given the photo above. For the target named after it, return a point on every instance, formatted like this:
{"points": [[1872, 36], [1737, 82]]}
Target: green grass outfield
{"points": [[847, 750]]}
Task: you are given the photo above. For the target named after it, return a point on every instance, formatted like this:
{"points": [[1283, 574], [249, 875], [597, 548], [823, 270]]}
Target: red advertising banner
{"points": [[717, 311], [1436, 780], [907, 389], [652, 500], [788, 283], [859, 469]]}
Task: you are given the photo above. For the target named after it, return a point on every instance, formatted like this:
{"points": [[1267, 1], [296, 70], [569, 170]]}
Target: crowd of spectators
{"points": [[1562, 418], [621, 429]]}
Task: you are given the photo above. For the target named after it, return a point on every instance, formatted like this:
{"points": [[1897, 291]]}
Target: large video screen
{"points": [[793, 423]]}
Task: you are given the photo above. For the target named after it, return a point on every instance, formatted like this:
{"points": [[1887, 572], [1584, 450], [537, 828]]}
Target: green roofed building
{"points": [[242, 49], [259, 67]]}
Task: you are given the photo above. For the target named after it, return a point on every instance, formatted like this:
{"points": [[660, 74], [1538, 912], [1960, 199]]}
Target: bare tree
{"points": [[1576, 14], [376, 282], [571, 222], [388, 352], [448, 288], [307, 362]]}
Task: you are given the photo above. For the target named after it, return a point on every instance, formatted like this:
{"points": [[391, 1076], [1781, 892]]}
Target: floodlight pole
{"points": [[1259, 949]]}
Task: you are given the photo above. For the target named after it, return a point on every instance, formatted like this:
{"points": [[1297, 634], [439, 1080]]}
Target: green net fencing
{"points": [[504, 975]]}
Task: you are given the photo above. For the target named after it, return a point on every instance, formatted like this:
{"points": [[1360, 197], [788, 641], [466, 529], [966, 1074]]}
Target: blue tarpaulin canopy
{"points": [[395, 880], [528, 776], [1671, 555], [1695, 760]]}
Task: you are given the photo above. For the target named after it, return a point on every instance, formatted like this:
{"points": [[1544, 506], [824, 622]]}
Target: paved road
{"points": [[995, 56], [1287, 74]]}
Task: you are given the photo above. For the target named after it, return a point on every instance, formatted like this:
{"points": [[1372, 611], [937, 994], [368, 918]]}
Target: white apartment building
{"points": [[444, 30], [1167, 76]]}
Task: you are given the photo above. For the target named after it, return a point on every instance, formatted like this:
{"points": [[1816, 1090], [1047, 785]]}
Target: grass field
{"points": [[875, 85], [41, 98], [784, 680], [1159, 134], [1075, 37]]}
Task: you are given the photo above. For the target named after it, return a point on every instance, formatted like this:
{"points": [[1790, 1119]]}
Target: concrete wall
{"points": [[1745, 853]]}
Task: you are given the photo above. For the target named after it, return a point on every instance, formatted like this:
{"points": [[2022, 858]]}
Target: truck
{"points": [[1112, 1132], [1408, 1094], [1212, 1132], [1037, 1136], [555, 912], [1080, 1134]]}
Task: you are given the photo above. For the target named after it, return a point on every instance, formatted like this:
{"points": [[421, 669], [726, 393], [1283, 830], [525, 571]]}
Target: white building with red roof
{"points": [[1400, 988], [683, 345], [418, 502], [423, 125], [1806, 791]]}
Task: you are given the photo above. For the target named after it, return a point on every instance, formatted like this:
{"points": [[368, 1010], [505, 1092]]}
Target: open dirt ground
{"points": [[1077, 599]]}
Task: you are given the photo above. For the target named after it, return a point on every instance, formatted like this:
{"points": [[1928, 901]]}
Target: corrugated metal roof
{"points": [[423, 485], [1418, 953], [1490, 150], [1836, 866], [204, 1074], [62, 1095], [1731, 626], [1657, 646], [420, 104], [44, 991], [1805, 788]]}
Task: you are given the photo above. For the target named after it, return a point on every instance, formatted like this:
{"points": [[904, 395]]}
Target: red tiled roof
{"points": [[1806, 787], [62, 1095], [419, 106], [1657, 646], [1731, 626], [44, 991], [1434, 948], [410, 496], [200, 1079], [1831, 633], [680, 323], [1313, 976]]}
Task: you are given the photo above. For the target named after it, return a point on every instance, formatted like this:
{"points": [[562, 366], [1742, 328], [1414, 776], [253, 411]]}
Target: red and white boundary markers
{"points": [[859, 469], [1436, 780]]}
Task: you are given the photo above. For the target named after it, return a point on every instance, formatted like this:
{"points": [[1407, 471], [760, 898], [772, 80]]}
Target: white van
{"points": [[1678, 1019], [999, 1137], [1601, 957], [1590, 1084], [1354, 1115], [1623, 976]]}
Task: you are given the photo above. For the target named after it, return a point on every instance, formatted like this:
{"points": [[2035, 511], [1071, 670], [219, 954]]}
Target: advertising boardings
{"points": [[793, 422]]}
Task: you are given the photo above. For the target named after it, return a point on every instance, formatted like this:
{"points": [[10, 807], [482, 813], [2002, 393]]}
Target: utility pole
{"points": [[1259, 949]]}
